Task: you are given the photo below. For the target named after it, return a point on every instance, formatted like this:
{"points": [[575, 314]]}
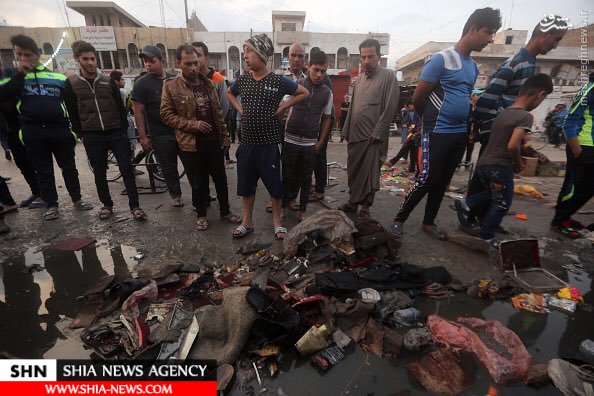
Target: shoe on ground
{"points": [[8, 155], [571, 379]]}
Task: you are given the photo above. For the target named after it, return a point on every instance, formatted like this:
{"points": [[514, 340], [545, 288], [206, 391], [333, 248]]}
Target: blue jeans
{"points": [[404, 134], [494, 199]]}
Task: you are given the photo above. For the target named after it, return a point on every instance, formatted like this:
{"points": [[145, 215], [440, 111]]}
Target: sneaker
{"points": [[494, 243], [566, 229], [38, 203], [571, 379], [4, 228]]}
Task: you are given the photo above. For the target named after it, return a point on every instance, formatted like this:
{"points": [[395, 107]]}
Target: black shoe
{"points": [[8, 155], [462, 214]]}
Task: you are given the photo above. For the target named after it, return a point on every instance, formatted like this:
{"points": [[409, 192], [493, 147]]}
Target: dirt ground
{"points": [[169, 233]]}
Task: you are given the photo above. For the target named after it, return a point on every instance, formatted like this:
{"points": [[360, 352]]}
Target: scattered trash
{"points": [[407, 316], [528, 190], [561, 303], [369, 295], [312, 341], [521, 216], [327, 358], [138, 256], [586, 350], [440, 373], [341, 339], [418, 339], [537, 376], [570, 293], [530, 302], [494, 337]]}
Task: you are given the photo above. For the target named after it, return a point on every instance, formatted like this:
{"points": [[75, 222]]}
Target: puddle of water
{"points": [[33, 301]]}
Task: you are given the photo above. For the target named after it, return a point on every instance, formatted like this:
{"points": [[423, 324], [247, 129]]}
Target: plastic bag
{"points": [[334, 224], [458, 337], [526, 189]]}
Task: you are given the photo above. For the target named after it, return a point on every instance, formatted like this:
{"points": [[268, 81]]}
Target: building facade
{"points": [[226, 48]]}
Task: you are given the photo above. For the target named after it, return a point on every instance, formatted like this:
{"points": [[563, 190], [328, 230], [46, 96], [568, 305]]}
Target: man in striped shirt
{"points": [[507, 81]]}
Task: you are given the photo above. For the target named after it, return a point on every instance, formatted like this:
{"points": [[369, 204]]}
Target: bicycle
{"points": [[150, 162], [540, 139]]}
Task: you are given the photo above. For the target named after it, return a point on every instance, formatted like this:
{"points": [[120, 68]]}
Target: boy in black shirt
{"points": [[259, 153]]}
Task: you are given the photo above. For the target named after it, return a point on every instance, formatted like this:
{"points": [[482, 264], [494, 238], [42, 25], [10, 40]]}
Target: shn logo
{"points": [[27, 370]]}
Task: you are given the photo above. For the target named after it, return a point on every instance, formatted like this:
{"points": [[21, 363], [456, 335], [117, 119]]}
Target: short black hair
{"points": [[116, 75], [184, 48], [318, 58], [25, 42], [79, 47], [371, 43], [555, 24], [483, 17], [537, 83], [200, 44]]}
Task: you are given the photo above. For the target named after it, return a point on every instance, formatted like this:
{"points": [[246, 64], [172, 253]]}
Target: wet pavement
{"points": [[39, 283]]}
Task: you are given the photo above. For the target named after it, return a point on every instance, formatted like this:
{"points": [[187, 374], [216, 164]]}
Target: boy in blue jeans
{"points": [[501, 159], [259, 153]]}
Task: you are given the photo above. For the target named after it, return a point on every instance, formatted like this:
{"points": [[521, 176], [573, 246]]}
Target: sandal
{"points": [[397, 229], [82, 205], [232, 218], [242, 231], [436, 232], [202, 224], [105, 212], [280, 230], [363, 214], [269, 207], [177, 202], [294, 206], [51, 214], [138, 214], [348, 208]]}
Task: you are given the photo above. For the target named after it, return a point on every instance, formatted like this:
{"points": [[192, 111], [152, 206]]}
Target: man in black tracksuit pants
{"points": [[8, 108], [45, 127], [97, 112]]}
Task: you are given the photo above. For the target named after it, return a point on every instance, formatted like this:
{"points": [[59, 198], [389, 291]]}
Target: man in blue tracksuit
{"points": [[45, 127], [578, 186]]}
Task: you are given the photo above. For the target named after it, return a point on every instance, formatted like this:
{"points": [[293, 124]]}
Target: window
{"points": [[508, 39], [48, 49], [288, 27]]}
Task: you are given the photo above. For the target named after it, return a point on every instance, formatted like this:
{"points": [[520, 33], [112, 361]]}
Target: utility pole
{"points": [[162, 13]]}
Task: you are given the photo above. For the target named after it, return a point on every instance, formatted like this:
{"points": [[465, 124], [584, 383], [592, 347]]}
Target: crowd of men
{"points": [[283, 123]]}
